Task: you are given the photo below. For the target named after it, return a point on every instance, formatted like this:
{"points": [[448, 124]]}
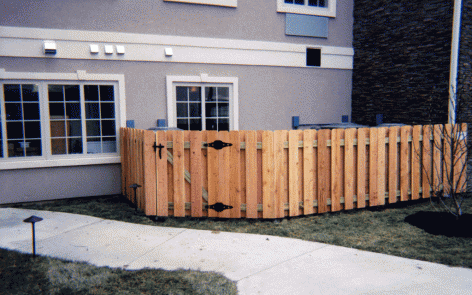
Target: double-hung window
{"points": [[310, 3], [309, 7], [44, 122]]}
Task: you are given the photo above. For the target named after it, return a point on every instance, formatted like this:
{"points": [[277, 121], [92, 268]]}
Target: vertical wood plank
{"points": [[426, 162], [336, 169], [392, 164], [150, 184], [308, 171], [251, 174], [415, 163], [161, 174], [133, 165], [196, 171], [293, 172], [447, 166], [373, 167], [223, 174], [123, 159], [361, 166], [268, 202], [213, 171], [179, 170], [461, 158], [349, 168], [437, 160], [324, 171], [404, 183], [235, 174], [280, 171], [381, 166]]}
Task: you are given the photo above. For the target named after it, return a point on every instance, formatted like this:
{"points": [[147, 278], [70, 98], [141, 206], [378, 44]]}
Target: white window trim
{"points": [[69, 160], [329, 11], [203, 78], [227, 3]]}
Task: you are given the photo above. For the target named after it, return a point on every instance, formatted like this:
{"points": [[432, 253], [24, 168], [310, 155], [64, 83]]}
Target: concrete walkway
{"points": [[259, 264]]}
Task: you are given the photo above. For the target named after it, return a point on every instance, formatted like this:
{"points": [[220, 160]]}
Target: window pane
{"points": [[195, 110], [30, 93], [109, 145], [33, 147], [58, 128], [106, 93], [108, 127], [182, 124], [13, 111], [300, 2], [93, 128], [181, 93], [211, 124], [289, 1], [195, 124], [94, 146], [92, 111], [75, 128], [56, 110], [75, 145], [91, 92], [107, 110], [14, 148], [322, 3], [210, 93], [210, 109], [14, 130], [223, 109], [72, 92], [223, 93], [73, 110], [182, 110], [223, 124], [32, 130], [58, 146], [31, 111], [55, 93], [194, 94], [11, 92]]}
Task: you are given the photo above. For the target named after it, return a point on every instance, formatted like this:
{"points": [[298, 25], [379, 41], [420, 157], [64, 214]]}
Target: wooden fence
{"points": [[274, 174]]}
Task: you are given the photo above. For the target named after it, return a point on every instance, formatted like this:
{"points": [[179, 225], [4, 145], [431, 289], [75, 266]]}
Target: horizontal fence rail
{"points": [[274, 174]]}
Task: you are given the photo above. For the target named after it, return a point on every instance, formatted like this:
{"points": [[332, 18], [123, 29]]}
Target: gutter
{"points": [[453, 69]]}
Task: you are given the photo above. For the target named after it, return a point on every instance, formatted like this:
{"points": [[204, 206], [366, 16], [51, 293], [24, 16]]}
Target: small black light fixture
{"points": [[33, 219], [135, 187]]}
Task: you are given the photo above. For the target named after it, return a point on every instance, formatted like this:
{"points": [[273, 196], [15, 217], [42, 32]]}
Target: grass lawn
{"points": [[378, 229]]}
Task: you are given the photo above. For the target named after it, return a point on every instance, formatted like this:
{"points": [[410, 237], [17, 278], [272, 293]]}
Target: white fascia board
{"points": [[226, 3], [40, 162]]}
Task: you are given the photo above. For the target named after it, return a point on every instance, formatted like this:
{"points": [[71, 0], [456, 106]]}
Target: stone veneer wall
{"points": [[464, 80], [401, 61]]}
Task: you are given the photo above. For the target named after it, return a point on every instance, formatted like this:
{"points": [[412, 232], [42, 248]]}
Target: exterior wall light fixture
{"points": [[168, 51], [50, 47]]}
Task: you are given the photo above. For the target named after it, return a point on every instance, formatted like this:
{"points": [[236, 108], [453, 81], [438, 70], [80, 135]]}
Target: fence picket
{"points": [[426, 162], [392, 164], [235, 182], [196, 172], [349, 175], [150, 184], [268, 205], [179, 168], [336, 169], [293, 172], [437, 160], [223, 174], [281, 164], [324, 170], [415, 163], [381, 174], [213, 172], [373, 167], [162, 180], [251, 178], [461, 158], [404, 169], [361, 166], [308, 171]]}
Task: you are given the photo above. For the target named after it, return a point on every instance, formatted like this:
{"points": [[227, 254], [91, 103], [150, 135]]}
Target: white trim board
{"points": [[227, 3], [71, 44]]}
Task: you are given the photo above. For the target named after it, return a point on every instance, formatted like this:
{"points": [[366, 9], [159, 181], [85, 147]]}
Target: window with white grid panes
{"points": [[22, 121], [309, 3], [203, 107]]}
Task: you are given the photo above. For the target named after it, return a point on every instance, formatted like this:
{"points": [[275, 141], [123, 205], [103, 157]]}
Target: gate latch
{"points": [[160, 147], [219, 207], [218, 144]]}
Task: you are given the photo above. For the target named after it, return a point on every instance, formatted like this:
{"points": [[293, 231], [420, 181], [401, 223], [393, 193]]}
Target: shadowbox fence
{"points": [[274, 174]]}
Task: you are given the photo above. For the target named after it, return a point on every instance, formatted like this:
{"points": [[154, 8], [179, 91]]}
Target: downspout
{"points": [[453, 69]]}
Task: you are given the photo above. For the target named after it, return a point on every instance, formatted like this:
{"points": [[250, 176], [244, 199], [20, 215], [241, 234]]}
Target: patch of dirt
{"points": [[442, 223]]}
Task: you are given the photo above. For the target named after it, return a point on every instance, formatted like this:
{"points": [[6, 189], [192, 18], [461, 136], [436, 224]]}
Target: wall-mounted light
{"points": [[50, 47], [94, 48], [168, 51], [108, 49], [120, 49]]}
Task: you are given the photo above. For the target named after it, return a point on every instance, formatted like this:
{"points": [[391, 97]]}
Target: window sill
{"points": [[299, 9], [226, 3], [41, 162]]}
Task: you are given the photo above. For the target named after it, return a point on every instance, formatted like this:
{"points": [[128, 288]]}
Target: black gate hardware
{"points": [[135, 187], [160, 147], [218, 144], [33, 219], [219, 207]]}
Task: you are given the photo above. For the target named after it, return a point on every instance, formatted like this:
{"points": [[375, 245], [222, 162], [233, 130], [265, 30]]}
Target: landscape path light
{"points": [[33, 219]]}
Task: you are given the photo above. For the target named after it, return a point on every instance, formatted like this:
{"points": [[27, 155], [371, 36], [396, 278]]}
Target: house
{"points": [[73, 72], [410, 58]]}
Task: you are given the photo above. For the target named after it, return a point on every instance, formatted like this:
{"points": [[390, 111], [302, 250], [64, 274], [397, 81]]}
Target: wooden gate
{"points": [[274, 174]]}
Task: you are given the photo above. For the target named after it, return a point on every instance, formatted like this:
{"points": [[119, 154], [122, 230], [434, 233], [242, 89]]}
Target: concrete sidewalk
{"points": [[259, 264]]}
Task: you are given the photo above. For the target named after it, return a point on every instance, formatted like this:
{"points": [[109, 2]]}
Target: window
{"points": [[54, 123], [228, 3], [202, 102], [310, 7], [195, 113]]}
